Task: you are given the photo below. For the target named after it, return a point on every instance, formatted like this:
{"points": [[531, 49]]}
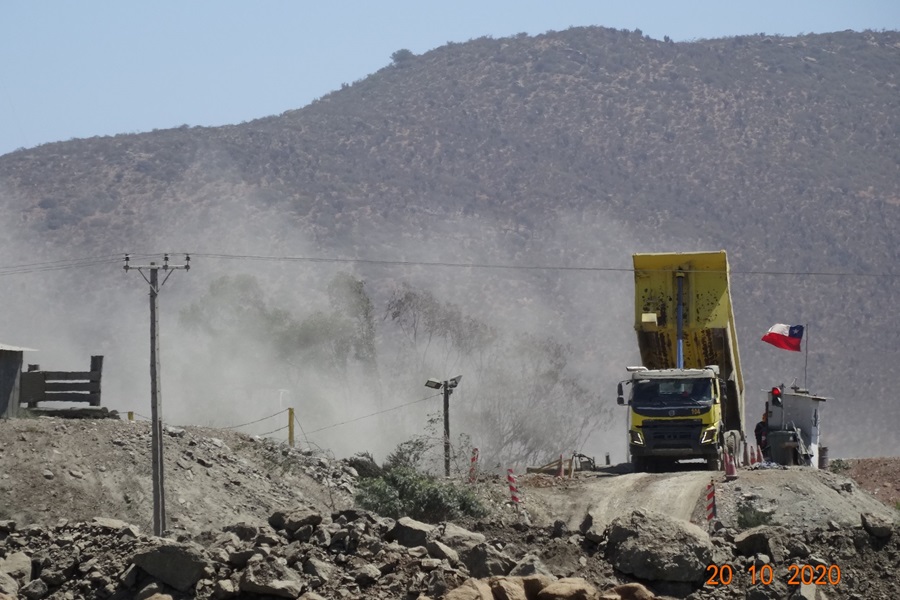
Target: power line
{"points": [[273, 431], [374, 414], [458, 265], [256, 421], [57, 265], [107, 259]]}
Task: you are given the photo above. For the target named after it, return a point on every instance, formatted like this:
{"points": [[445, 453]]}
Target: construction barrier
{"points": [[473, 466], [711, 501], [513, 488]]}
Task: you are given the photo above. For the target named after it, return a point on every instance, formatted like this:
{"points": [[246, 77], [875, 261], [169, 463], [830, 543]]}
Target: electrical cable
{"points": [[107, 259], [273, 431], [314, 259], [256, 421], [375, 413]]}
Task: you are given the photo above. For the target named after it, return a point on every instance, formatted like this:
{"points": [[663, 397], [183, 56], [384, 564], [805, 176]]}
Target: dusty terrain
{"points": [[56, 473], [80, 469], [878, 476]]}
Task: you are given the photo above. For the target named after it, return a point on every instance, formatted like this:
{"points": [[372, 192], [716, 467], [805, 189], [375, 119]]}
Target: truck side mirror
{"points": [[621, 399]]}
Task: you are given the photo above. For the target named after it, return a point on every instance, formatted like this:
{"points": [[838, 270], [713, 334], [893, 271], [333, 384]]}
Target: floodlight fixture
{"points": [[433, 384], [454, 382]]}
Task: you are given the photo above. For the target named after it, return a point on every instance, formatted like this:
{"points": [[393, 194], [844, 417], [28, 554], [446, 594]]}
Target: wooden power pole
{"points": [[159, 493]]}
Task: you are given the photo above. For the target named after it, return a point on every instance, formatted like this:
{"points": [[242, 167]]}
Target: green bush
{"points": [[838, 466], [402, 491]]}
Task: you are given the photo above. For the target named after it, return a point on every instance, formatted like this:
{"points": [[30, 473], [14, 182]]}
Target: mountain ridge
{"points": [[570, 148]]}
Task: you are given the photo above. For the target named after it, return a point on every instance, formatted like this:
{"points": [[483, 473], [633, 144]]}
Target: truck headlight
{"points": [[709, 436], [636, 437]]}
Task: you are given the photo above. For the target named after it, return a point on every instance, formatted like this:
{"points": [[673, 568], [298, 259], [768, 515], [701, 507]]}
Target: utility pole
{"points": [[159, 494], [448, 386], [447, 392]]}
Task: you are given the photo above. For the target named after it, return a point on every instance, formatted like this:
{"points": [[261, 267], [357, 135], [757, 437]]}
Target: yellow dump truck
{"points": [[686, 399]]}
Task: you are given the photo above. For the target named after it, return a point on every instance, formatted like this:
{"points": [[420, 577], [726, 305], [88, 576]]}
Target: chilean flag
{"points": [[786, 337]]}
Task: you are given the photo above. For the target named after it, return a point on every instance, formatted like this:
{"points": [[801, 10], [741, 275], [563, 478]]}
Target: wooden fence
{"points": [[62, 386]]}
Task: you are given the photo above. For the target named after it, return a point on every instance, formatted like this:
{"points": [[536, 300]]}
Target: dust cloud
{"points": [[71, 313]]}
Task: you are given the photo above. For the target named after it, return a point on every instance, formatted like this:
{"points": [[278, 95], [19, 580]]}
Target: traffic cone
{"points": [[752, 456], [730, 471], [759, 455]]}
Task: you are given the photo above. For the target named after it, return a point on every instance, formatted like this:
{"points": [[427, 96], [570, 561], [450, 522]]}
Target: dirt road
{"points": [[606, 497], [792, 497]]}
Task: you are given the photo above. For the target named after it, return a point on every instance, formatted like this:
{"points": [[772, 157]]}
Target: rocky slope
{"points": [[261, 520]]}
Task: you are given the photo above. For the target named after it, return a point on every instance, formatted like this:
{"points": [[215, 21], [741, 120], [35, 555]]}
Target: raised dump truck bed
{"points": [[686, 400], [709, 335]]}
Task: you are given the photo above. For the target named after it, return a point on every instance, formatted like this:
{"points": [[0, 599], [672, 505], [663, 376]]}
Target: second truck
{"points": [[686, 399]]}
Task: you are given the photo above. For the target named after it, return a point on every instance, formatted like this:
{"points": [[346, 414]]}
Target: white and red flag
{"points": [[786, 337]]}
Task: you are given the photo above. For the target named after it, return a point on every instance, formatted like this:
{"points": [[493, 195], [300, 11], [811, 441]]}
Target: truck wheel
{"points": [[639, 463], [715, 463]]}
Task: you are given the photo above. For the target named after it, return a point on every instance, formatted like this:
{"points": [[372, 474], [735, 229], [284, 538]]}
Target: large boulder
{"points": [[656, 547], [268, 576], [178, 565], [8, 585], [459, 538], [484, 560], [530, 564], [442, 551], [471, 589], [628, 591], [295, 519], [570, 588], [18, 566], [508, 588], [876, 526], [763, 539], [410, 533]]}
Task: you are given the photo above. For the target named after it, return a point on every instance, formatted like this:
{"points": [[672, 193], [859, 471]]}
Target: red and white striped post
{"points": [[513, 488], [710, 501], [473, 466]]}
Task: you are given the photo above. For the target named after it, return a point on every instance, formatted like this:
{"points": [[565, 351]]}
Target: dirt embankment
{"points": [[878, 476], [79, 469], [795, 497]]}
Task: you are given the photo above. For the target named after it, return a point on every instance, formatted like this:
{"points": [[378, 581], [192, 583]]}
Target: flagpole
{"points": [[806, 364]]}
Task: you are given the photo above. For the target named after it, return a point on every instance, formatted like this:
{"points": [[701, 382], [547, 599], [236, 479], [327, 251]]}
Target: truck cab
{"points": [[675, 414]]}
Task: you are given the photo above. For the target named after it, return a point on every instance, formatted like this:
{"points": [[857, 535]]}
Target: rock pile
{"points": [[355, 555], [650, 553], [301, 553]]}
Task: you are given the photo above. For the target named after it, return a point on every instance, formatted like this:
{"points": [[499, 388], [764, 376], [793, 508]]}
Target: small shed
{"points": [[11, 361]]}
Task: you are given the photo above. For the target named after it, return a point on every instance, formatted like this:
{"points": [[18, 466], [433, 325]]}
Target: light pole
{"points": [[448, 386]]}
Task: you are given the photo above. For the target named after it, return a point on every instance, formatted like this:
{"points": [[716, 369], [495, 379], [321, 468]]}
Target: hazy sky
{"points": [[80, 69]]}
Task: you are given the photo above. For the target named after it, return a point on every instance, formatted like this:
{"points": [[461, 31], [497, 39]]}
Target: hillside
{"points": [[571, 149]]}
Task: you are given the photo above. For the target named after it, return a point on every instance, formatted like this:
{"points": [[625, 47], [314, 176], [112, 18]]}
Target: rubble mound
{"points": [[255, 519], [80, 469]]}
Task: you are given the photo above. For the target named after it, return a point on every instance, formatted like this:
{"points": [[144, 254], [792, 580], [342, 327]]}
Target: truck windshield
{"points": [[669, 392]]}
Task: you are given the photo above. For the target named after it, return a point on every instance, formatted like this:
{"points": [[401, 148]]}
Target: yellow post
{"points": [[131, 415], [291, 427]]}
